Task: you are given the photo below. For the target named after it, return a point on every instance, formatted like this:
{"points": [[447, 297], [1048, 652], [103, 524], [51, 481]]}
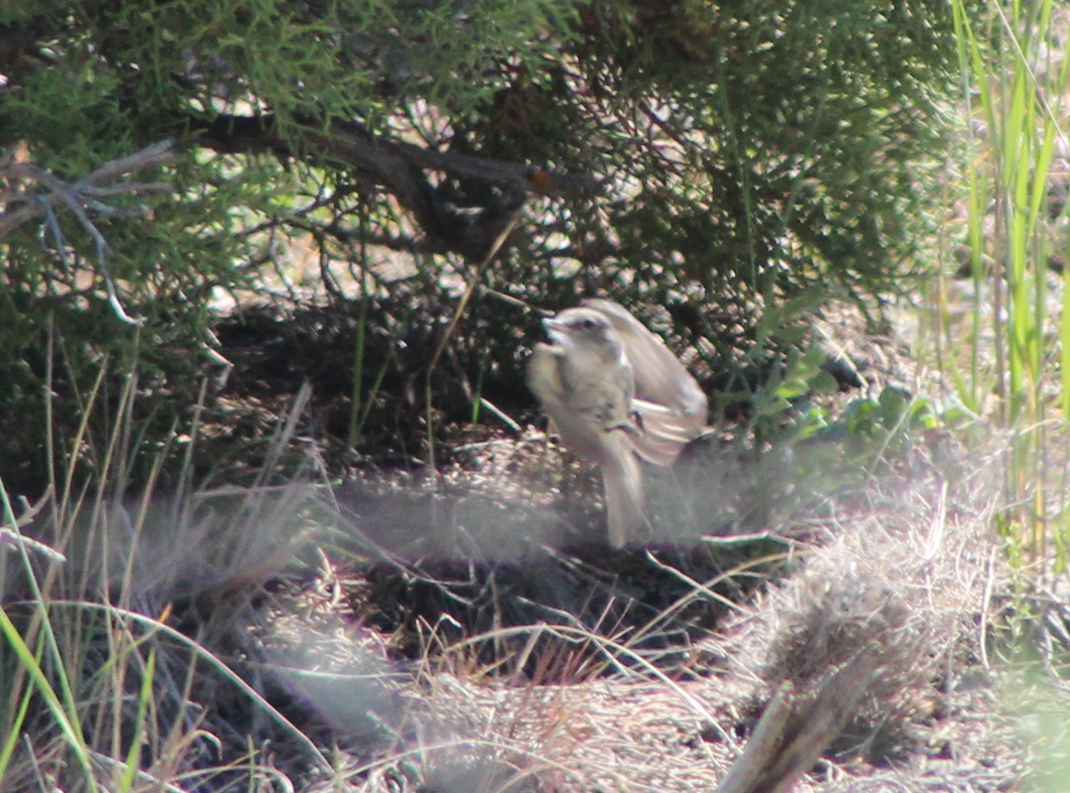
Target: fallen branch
{"points": [[11, 535]]}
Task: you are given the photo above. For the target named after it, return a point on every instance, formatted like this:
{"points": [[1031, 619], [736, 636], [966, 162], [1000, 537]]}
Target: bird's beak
{"points": [[555, 329]]}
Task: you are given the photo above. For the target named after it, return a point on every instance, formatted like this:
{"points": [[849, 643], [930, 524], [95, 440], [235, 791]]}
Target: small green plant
{"points": [[887, 425]]}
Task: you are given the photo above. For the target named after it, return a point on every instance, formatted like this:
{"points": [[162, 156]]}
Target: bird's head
{"points": [[581, 326]]}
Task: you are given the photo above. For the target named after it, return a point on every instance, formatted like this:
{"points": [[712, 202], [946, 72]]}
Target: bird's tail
{"points": [[623, 479]]}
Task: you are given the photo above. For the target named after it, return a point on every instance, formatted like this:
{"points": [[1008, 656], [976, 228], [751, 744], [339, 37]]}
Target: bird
{"points": [[616, 394]]}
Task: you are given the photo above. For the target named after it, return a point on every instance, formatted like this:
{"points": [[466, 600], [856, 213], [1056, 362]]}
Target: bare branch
{"points": [[77, 195], [81, 197]]}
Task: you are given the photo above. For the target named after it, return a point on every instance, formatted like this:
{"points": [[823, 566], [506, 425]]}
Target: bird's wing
{"points": [[672, 407], [663, 432]]}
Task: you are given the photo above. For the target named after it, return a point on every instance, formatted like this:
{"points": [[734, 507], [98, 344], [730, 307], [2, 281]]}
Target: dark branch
{"points": [[399, 168]]}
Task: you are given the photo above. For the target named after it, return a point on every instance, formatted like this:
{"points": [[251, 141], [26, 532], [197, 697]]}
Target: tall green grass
{"points": [[1010, 361]]}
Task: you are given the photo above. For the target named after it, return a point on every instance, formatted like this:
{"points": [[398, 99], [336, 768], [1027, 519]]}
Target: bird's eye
{"points": [[588, 323]]}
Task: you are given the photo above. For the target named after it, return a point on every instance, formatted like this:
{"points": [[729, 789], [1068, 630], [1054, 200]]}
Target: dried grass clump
{"points": [[845, 651], [862, 654]]}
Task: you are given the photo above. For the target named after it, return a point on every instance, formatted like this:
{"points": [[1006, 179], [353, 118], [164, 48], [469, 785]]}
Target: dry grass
{"points": [[301, 636], [851, 634], [903, 581]]}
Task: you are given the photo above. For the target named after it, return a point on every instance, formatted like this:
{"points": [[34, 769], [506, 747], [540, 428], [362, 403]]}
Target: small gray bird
{"points": [[614, 390]]}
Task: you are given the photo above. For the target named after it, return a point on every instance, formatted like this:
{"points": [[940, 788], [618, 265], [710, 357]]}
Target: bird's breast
{"points": [[586, 399]]}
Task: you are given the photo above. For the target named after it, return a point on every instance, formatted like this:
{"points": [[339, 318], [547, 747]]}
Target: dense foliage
{"points": [[716, 159]]}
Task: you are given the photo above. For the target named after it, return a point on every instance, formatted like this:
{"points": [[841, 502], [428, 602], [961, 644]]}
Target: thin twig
{"points": [[458, 312]]}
